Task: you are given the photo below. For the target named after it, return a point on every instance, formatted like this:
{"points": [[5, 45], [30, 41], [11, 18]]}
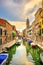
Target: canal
{"points": [[24, 55]]}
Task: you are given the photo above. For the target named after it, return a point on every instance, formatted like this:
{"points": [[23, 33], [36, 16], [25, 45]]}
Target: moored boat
{"points": [[3, 58]]}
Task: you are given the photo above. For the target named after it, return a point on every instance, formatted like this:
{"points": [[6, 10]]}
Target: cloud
{"points": [[21, 9], [30, 6]]}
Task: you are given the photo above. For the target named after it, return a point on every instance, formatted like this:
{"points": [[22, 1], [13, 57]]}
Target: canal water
{"points": [[20, 57]]}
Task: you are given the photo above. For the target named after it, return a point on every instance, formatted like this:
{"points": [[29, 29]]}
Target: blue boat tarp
{"points": [[3, 57], [30, 41]]}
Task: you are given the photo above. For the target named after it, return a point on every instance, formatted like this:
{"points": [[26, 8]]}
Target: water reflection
{"points": [[20, 58]]}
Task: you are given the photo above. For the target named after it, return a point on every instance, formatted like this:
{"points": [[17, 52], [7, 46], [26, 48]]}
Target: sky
{"points": [[19, 10], [20, 26]]}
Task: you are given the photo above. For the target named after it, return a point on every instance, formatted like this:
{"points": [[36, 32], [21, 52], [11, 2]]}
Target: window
{"points": [[42, 14], [0, 31], [42, 30], [29, 31], [30, 34], [42, 21], [5, 32], [39, 26], [37, 23], [0, 41]]}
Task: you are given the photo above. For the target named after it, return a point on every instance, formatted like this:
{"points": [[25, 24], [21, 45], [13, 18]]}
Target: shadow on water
{"points": [[11, 51], [24, 54], [20, 57]]}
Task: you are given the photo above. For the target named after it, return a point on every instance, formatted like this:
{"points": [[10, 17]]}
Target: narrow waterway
{"points": [[20, 57]]}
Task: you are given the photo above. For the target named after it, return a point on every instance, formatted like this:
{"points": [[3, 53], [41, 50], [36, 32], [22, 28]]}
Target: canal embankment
{"points": [[7, 45]]}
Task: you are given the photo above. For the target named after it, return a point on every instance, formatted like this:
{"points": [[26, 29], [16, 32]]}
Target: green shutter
{"points": [[42, 30]]}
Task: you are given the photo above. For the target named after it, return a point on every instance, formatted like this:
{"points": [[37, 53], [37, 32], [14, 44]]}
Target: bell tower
{"points": [[27, 23]]}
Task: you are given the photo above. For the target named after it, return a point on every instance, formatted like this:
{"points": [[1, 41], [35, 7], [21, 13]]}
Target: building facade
{"points": [[37, 24], [9, 32], [5, 31], [2, 33]]}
